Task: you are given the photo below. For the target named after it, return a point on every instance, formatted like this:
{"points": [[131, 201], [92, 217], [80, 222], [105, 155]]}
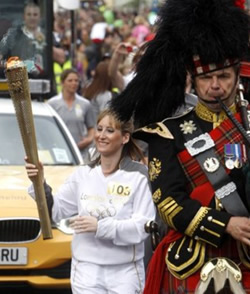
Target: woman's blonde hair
{"points": [[131, 148]]}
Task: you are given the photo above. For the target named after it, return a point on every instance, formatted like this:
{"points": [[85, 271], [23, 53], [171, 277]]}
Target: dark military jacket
{"points": [[199, 224]]}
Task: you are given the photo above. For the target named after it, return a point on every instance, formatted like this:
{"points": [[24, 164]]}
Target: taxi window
{"points": [[53, 146], [23, 33]]}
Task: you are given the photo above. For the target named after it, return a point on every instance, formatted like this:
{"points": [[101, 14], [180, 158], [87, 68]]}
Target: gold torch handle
{"points": [[17, 78]]}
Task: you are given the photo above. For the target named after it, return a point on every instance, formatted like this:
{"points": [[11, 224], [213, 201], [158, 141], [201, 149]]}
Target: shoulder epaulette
{"points": [[158, 128], [178, 115]]}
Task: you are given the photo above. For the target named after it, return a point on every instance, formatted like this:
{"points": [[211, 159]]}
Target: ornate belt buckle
{"points": [[199, 144]]}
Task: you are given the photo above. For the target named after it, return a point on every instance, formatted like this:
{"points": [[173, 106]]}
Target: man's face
{"points": [[220, 83], [31, 17]]}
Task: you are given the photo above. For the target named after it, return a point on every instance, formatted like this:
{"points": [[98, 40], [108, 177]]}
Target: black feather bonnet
{"points": [[215, 31]]}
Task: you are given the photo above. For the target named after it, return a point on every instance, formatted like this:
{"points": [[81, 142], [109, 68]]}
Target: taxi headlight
{"points": [[64, 227]]}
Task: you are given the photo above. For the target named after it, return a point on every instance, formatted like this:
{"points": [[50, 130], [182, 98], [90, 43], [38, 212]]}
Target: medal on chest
{"points": [[234, 155]]}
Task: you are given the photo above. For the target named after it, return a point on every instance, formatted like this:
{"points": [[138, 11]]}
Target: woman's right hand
{"points": [[32, 170]]}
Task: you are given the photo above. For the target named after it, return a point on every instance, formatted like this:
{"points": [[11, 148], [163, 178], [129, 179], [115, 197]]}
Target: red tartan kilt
{"points": [[171, 285]]}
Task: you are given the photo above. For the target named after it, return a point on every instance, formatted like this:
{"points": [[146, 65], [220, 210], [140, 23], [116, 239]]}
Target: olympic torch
{"points": [[17, 77]]}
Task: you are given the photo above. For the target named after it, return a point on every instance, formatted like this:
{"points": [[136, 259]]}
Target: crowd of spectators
{"points": [[106, 47], [98, 33]]}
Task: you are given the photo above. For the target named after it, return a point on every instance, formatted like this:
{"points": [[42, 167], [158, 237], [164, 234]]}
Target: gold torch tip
{"points": [[14, 62]]}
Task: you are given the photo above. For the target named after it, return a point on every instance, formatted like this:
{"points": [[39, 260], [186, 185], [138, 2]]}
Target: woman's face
{"points": [[71, 83], [109, 140]]}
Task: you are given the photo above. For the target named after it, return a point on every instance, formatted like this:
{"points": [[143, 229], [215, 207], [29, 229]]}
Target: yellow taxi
{"points": [[25, 256]]}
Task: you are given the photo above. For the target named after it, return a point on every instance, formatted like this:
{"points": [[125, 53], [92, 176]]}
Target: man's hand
{"points": [[239, 228]]}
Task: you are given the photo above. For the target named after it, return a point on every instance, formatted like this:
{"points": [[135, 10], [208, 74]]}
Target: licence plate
{"points": [[13, 255]]}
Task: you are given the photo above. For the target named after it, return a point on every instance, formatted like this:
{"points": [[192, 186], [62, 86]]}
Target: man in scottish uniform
{"points": [[198, 160]]}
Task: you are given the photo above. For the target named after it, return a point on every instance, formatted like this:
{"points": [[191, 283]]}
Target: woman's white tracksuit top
{"points": [[122, 203]]}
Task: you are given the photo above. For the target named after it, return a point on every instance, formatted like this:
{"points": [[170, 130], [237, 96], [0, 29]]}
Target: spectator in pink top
{"points": [[141, 29]]}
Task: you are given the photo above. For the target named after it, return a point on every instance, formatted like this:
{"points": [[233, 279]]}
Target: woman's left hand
{"points": [[82, 224]]}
